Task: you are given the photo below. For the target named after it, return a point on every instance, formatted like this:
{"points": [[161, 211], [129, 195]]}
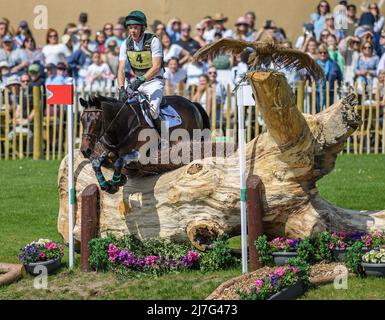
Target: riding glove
{"points": [[123, 96], [136, 83]]}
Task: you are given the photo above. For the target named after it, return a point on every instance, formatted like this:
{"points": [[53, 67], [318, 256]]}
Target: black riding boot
{"points": [[163, 143], [158, 125]]}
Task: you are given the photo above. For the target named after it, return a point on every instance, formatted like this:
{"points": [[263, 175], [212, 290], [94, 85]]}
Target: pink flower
{"points": [[259, 284], [331, 245], [342, 244], [52, 245], [281, 245], [192, 256], [334, 235], [113, 252], [281, 271], [42, 256], [150, 260], [343, 235]]}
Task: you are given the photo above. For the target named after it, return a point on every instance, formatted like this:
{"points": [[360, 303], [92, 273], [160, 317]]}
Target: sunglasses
{"points": [[368, 47], [24, 81], [212, 72], [52, 36], [324, 35]]}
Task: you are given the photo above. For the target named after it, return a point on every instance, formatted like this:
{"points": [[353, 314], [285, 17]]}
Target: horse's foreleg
{"points": [[96, 165]]}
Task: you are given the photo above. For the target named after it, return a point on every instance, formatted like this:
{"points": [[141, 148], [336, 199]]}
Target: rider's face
{"points": [[135, 31]]}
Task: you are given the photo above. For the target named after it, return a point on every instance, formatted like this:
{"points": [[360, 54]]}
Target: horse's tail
{"points": [[205, 117]]}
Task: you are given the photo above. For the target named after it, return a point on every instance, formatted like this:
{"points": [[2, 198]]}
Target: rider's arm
{"points": [[156, 65]]}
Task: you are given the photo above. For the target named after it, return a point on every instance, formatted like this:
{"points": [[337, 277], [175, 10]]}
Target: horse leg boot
{"points": [[96, 165], [118, 179]]}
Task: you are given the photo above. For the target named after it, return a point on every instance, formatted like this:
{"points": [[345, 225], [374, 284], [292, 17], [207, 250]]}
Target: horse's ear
{"points": [[95, 102], [83, 103]]}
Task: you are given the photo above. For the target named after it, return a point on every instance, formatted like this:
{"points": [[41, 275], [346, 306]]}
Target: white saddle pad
{"points": [[168, 114]]}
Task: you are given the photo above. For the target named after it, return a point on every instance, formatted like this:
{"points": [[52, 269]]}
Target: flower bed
{"points": [[42, 252], [282, 283], [130, 257], [373, 263], [130, 260]]}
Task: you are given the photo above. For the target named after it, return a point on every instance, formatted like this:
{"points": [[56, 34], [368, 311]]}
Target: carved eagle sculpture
{"points": [[264, 54]]}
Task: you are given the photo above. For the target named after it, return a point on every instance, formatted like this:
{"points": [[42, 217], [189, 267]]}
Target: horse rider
{"points": [[144, 53]]}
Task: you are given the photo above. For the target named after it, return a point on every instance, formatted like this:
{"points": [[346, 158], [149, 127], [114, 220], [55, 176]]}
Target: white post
{"points": [[242, 165], [71, 190]]}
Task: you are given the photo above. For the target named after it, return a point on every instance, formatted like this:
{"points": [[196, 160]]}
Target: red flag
{"points": [[60, 94]]}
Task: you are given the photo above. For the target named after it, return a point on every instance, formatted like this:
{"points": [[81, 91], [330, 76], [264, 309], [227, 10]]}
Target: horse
{"points": [[115, 126]]}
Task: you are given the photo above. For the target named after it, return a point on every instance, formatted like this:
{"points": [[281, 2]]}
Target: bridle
{"points": [[103, 131]]}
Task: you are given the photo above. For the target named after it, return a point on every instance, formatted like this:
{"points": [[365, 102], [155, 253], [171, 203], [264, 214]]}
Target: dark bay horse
{"points": [[115, 126]]}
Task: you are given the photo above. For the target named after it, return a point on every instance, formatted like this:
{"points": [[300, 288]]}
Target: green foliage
{"points": [[353, 257], [264, 250], [98, 258], [307, 250], [323, 252], [304, 270], [218, 258], [164, 248]]}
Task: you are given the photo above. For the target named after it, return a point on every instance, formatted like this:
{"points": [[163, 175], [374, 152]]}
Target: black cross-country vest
{"points": [[140, 61]]}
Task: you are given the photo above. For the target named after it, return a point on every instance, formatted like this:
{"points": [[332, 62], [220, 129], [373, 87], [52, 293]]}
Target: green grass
{"points": [[28, 204], [29, 207], [357, 289]]}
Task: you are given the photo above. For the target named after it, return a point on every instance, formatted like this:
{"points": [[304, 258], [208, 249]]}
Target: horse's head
{"points": [[92, 122]]}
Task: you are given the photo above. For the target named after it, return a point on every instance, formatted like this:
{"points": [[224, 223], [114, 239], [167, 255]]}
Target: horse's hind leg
{"points": [[118, 179]]}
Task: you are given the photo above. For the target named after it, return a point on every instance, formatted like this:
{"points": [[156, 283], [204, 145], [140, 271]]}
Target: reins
{"points": [[101, 136]]}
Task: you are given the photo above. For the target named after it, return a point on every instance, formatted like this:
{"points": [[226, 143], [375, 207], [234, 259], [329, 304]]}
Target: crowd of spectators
{"points": [[350, 50]]}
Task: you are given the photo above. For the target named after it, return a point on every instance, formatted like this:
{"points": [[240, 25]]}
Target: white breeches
{"points": [[153, 89]]}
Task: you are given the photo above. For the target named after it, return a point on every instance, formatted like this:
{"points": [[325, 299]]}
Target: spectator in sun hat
{"points": [[16, 58], [174, 29], [186, 42], [242, 29], [22, 32], [219, 27]]}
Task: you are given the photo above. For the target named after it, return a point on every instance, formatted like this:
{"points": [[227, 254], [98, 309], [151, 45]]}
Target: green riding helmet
{"points": [[136, 17]]}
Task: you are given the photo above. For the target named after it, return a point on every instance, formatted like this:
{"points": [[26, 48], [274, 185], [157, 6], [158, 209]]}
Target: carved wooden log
{"points": [[201, 200]]}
